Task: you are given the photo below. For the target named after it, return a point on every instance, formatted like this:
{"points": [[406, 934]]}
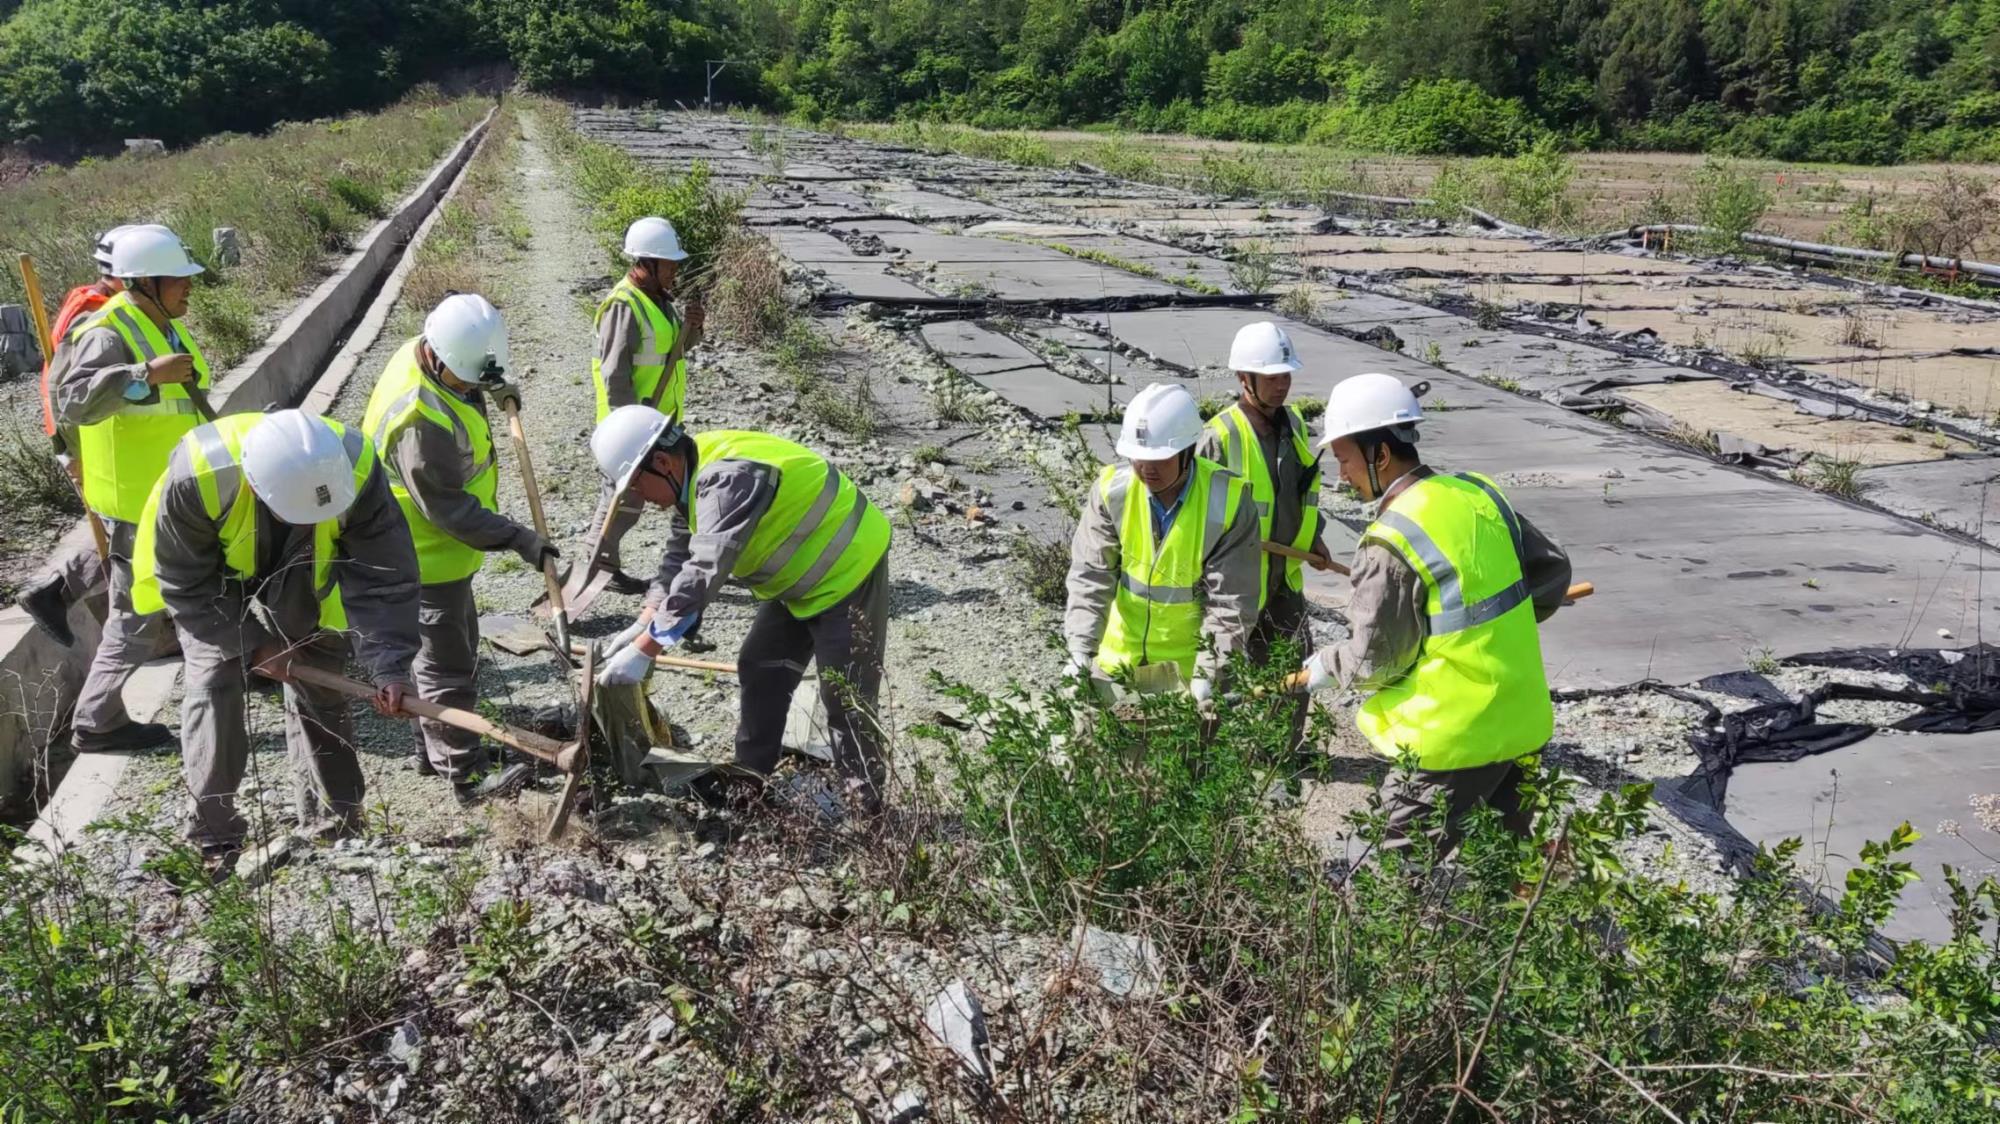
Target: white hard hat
{"points": [[298, 466], [653, 237], [151, 251], [466, 332], [1263, 348], [625, 438], [1161, 420], [101, 253], [1364, 402]]}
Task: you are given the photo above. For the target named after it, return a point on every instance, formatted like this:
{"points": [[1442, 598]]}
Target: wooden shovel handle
{"points": [[528, 742], [558, 611], [1316, 561], [682, 662]]}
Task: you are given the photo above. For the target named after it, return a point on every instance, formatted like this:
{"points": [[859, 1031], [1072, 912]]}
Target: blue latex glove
{"points": [[671, 637]]}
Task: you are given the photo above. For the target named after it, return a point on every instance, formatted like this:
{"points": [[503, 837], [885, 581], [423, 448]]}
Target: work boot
{"points": [[130, 736], [420, 759], [45, 606], [496, 784], [622, 582]]}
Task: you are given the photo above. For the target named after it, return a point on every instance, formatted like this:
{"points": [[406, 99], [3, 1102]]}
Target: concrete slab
{"points": [[1048, 394], [1959, 493], [1712, 407], [1839, 800], [867, 279], [973, 350]]}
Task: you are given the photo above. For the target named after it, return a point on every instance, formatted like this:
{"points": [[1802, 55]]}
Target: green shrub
{"points": [[1730, 200]]}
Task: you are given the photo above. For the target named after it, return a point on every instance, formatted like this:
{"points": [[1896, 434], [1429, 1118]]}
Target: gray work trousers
{"points": [[847, 642], [1411, 801], [215, 743], [446, 667], [128, 640], [1284, 618], [80, 571]]}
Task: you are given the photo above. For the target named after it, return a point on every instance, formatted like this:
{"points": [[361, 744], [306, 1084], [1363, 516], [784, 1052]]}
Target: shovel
{"points": [[558, 612], [571, 758]]}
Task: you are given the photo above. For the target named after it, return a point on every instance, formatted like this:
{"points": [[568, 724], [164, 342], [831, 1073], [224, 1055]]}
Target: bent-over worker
{"points": [[120, 382], [1158, 569], [269, 538], [784, 521], [1450, 583], [427, 418], [642, 341], [1265, 441]]}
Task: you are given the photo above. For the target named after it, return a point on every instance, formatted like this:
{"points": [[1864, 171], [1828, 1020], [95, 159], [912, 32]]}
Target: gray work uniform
{"points": [[223, 621], [1388, 617], [619, 338], [434, 468], [846, 640], [1229, 575], [88, 378], [1284, 615]]}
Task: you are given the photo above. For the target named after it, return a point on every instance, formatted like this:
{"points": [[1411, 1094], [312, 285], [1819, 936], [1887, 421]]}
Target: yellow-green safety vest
{"points": [[125, 453], [406, 396], [1157, 607], [659, 328], [1242, 454], [819, 539], [214, 457], [1477, 693]]}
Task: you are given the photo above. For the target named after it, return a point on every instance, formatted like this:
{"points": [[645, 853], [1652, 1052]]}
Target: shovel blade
{"points": [[517, 635]]}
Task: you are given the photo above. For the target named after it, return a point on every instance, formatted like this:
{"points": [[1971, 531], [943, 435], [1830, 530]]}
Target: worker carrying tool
{"points": [[270, 537], [75, 574], [120, 380], [1449, 584], [1264, 440], [427, 419], [642, 341], [1157, 569], [782, 520]]}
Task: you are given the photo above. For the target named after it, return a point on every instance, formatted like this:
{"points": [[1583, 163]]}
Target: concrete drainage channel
{"points": [[1064, 292], [304, 362]]}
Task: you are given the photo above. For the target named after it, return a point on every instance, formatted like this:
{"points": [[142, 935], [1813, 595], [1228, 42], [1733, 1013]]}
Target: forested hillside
{"points": [[1843, 80]]}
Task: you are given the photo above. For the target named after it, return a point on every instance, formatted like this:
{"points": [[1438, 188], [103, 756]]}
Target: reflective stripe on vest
{"points": [[124, 454], [1242, 454], [818, 540], [403, 397], [659, 328], [1477, 693], [212, 455], [1156, 609]]}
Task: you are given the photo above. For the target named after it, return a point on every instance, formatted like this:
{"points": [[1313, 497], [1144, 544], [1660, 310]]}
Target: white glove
{"points": [[624, 639], [625, 669], [1317, 676], [1079, 668], [1201, 690]]}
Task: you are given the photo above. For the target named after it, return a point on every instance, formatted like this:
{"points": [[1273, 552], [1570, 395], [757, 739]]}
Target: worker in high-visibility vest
{"points": [[782, 520], [1450, 583], [119, 382], [1164, 565], [273, 538], [1264, 440], [642, 344], [427, 418], [77, 573]]}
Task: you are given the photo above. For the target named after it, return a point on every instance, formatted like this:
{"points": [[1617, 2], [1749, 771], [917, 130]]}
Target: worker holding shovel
{"points": [[1450, 583], [642, 341], [1265, 441], [427, 418], [129, 380], [272, 538], [784, 521]]}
